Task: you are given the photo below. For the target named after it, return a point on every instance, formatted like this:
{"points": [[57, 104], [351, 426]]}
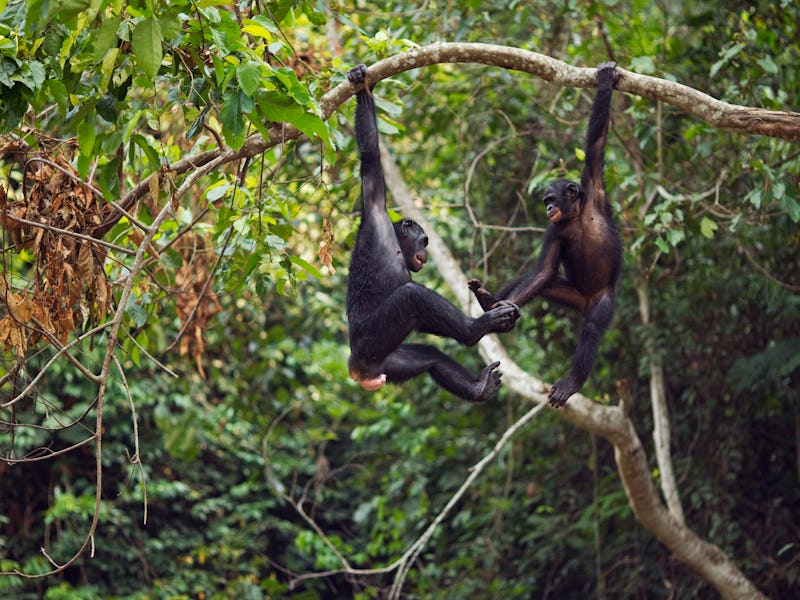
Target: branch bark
{"points": [[609, 422], [723, 115]]}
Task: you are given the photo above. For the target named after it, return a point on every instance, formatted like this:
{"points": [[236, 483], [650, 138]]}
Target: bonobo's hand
{"points": [[357, 75], [562, 390], [504, 315], [484, 296], [607, 75]]}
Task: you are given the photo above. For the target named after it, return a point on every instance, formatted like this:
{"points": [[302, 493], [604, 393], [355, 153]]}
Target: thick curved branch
{"points": [[743, 119], [609, 422]]}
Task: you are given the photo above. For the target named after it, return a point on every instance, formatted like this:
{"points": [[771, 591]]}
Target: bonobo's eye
{"points": [[549, 199]]}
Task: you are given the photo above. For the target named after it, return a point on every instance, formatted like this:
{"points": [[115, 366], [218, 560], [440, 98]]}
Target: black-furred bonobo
{"points": [[582, 236], [384, 306]]}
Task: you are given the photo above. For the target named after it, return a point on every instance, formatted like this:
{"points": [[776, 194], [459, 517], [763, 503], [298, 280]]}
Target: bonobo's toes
{"points": [[488, 382], [357, 74], [508, 315], [606, 65], [475, 284], [484, 296]]}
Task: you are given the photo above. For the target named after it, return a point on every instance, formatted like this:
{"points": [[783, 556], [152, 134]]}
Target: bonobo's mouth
{"points": [[419, 261], [554, 214]]}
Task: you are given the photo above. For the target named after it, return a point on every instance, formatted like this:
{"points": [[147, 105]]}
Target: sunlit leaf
{"points": [[146, 43], [249, 76], [708, 227]]}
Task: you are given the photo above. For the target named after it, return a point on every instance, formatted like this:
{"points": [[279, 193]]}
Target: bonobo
{"points": [[582, 237], [384, 306]]}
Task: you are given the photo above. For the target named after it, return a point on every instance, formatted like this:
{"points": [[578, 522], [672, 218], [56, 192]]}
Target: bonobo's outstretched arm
{"points": [[597, 134], [373, 187]]}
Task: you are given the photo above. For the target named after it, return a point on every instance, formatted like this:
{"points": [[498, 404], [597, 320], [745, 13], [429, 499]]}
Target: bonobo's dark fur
{"points": [[384, 306], [582, 236]]}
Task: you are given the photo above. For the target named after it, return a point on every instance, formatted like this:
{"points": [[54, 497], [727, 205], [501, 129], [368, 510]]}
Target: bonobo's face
{"points": [[413, 242], [562, 200]]}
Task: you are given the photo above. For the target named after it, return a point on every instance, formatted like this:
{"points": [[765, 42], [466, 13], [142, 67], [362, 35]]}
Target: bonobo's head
{"points": [[562, 199], [413, 242]]}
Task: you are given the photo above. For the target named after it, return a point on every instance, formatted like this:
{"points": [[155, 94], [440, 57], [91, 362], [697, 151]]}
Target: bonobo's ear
{"points": [[405, 225], [573, 191]]}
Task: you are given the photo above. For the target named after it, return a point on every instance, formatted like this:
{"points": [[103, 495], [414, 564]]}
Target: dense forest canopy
{"points": [[179, 200]]}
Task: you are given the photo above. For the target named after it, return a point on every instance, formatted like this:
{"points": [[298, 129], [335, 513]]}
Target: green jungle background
{"points": [[237, 457]]}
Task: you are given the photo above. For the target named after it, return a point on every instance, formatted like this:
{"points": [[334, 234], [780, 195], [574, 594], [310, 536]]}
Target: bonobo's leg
{"points": [[559, 290], [564, 293], [484, 297], [412, 306], [437, 315], [598, 318], [410, 360], [441, 317]]}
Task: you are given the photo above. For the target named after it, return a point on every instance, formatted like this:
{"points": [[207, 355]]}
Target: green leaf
{"points": [[107, 108], [170, 26], [708, 227], [279, 108], [258, 29], [279, 9], [146, 43], [643, 65], [307, 266], [136, 312], [197, 125], [234, 126], [86, 137], [249, 76], [151, 154], [59, 93], [33, 75], [768, 65], [66, 9], [105, 37]]}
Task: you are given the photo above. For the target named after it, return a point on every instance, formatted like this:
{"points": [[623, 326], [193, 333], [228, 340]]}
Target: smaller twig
{"points": [[136, 459], [413, 552], [61, 350], [74, 234]]}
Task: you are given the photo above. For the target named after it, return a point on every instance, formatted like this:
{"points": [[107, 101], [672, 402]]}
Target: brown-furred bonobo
{"points": [[582, 237], [384, 305]]}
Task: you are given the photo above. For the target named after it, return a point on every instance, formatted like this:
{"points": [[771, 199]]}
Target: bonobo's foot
{"points": [[502, 317], [561, 391], [484, 296], [368, 383], [607, 75], [510, 319], [488, 383], [357, 75]]}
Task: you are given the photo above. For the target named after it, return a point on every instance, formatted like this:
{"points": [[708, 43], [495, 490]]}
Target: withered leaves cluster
{"points": [[67, 286], [195, 298]]}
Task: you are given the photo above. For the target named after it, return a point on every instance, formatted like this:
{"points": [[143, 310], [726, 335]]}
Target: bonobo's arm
{"points": [[373, 187], [597, 134], [524, 289]]}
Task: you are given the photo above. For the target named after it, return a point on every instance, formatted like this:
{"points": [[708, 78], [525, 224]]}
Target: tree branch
{"points": [[723, 115], [609, 422]]}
